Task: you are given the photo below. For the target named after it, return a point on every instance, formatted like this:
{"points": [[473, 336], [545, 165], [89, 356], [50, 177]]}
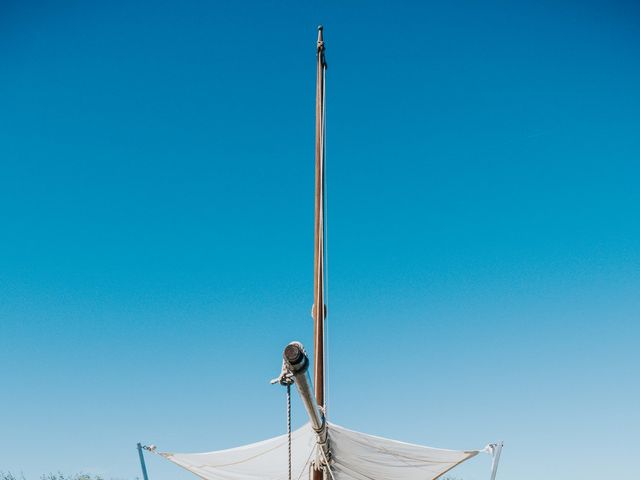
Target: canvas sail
{"points": [[354, 456]]}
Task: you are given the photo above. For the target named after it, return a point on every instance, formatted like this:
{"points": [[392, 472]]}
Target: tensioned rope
{"points": [[327, 464], [286, 379], [325, 255], [289, 425]]}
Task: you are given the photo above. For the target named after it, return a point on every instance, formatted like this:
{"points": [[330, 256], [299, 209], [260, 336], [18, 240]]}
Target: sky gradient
{"points": [[156, 199]]}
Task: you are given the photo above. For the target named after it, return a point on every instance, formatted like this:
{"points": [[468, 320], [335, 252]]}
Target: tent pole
{"points": [[142, 464], [496, 460]]}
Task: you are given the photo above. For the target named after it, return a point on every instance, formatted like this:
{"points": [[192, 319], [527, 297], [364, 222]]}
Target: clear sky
{"points": [[156, 207]]}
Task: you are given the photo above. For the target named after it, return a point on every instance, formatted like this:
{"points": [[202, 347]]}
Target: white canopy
{"points": [[354, 456]]}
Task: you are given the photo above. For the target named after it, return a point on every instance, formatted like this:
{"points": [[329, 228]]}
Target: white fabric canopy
{"points": [[354, 456], [263, 460]]}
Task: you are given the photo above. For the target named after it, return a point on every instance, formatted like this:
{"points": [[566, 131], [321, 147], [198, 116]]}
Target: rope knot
{"points": [[285, 378]]}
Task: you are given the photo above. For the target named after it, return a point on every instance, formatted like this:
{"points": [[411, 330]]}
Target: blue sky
{"points": [[156, 201]]}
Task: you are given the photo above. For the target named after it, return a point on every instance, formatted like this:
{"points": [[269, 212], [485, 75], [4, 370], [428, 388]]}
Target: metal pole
{"points": [[496, 459], [298, 364], [142, 464]]}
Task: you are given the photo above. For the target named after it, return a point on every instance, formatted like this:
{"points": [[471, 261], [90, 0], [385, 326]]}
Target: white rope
{"points": [[328, 466], [325, 250], [304, 467]]}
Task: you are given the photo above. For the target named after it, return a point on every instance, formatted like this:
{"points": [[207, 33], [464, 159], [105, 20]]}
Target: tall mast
{"points": [[318, 310]]}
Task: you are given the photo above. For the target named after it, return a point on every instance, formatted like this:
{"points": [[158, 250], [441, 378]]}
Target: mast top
{"points": [[321, 46]]}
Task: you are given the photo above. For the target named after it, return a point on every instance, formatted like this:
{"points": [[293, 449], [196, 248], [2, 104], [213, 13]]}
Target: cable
{"points": [[325, 257], [289, 424]]}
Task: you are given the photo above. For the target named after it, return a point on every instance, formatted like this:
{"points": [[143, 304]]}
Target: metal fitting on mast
{"points": [[320, 45], [297, 364]]}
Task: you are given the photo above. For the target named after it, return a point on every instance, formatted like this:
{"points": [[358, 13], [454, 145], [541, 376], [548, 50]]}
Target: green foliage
{"points": [[53, 476], [10, 476], [77, 476]]}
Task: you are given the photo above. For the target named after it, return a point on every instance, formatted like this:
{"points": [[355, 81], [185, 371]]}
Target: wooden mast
{"points": [[318, 310]]}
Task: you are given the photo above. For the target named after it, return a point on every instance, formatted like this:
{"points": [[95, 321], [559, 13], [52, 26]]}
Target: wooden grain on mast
{"points": [[318, 310]]}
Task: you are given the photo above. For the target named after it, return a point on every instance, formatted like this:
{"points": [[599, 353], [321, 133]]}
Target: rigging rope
{"points": [[289, 424], [325, 250], [286, 378], [327, 464]]}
